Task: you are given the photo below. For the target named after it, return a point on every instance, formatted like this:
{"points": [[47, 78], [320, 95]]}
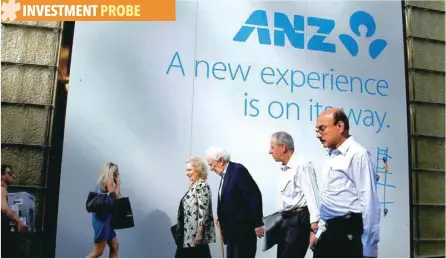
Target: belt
{"points": [[298, 209]]}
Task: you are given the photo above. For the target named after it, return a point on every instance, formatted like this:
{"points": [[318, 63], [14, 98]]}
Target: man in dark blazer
{"points": [[239, 207]]}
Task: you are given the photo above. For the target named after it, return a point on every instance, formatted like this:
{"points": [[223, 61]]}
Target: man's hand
{"points": [[260, 231], [313, 240], [217, 222]]}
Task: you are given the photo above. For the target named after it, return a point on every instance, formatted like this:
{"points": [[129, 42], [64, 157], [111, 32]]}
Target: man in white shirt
{"points": [[349, 207], [299, 198]]}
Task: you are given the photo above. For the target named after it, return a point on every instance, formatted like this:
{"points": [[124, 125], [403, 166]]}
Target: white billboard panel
{"points": [[229, 73]]}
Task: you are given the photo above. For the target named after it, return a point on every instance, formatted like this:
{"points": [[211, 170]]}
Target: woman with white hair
{"points": [[104, 233], [195, 228]]}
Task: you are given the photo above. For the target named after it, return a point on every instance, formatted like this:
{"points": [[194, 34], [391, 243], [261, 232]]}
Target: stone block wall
{"points": [[425, 40]]}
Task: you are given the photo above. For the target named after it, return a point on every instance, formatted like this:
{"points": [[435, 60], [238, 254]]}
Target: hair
{"points": [[339, 116], [217, 154], [4, 167], [106, 176], [283, 137], [199, 167]]}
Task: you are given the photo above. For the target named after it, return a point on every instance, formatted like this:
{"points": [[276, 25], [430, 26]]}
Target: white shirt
{"points": [[222, 180], [298, 187], [349, 185]]}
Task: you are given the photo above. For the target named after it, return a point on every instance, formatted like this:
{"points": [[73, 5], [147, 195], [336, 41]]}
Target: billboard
{"points": [[149, 95]]}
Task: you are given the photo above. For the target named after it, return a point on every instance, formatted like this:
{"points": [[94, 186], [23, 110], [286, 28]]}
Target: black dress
{"points": [[200, 251]]}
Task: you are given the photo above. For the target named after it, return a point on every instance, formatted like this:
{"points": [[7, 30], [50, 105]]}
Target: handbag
{"points": [[103, 203], [123, 215], [176, 234]]}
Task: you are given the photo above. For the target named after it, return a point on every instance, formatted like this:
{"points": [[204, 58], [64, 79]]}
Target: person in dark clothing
{"points": [[239, 209], [9, 241]]}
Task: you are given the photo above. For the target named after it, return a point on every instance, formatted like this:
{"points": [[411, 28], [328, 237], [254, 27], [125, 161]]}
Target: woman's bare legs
{"points": [[114, 248], [98, 250]]}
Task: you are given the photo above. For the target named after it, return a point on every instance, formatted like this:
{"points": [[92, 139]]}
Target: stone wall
{"points": [[29, 56], [425, 39]]}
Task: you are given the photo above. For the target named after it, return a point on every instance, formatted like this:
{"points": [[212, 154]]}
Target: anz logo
{"points": [[295, 32]]}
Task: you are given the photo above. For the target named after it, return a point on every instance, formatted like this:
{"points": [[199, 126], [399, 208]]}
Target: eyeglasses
{"points": [[321, 129]]}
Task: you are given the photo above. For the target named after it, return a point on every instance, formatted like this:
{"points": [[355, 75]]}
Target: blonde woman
{"points": [[108, 181], [195, 217]]}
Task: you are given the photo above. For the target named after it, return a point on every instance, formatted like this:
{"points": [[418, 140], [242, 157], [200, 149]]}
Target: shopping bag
{"points": [[103, 203], [123, 216]]}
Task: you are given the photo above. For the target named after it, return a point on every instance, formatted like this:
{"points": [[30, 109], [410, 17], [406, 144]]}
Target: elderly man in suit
{"points": [[239, 209]]}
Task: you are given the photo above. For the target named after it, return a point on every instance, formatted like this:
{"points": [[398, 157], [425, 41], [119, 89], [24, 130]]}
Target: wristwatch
{"points": [[314, 230]]}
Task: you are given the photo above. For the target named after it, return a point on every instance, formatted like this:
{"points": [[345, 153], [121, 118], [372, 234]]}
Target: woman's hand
{"points": [[117, 180], [198, 241], [199, 238]]}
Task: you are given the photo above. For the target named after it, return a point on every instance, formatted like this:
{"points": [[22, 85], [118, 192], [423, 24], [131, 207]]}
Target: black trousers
{"points": [[200, 251], [245, 248], [342, 238], [294, 234]]}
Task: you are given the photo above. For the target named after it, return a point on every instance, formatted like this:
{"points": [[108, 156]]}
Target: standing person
{"points": [[299, 198], [9, 240], [195, 217], [239, 209], [104, 233], [349, 206]]}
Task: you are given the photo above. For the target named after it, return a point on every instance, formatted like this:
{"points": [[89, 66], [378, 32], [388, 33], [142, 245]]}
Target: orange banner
{"points": [[88, 10]]}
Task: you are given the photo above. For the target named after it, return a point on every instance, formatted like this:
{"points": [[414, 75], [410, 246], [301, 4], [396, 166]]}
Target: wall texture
{"points": [[425, 31], [30, 57], [30, 54]]}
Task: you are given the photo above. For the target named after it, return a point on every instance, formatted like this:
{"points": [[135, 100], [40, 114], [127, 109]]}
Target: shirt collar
{"points": [[290, 163], [343, 148], [224, 171]]}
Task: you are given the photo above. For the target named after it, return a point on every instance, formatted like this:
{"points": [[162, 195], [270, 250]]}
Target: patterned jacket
{"points": [[197, 204]]}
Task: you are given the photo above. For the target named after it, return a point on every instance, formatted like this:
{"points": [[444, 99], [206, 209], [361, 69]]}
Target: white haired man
{"points": [[239, 209], [299, 198]]}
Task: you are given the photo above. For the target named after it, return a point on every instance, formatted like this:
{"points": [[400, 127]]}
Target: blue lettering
{"points": [[295, 33], [239, 68], [176, 56], [310, 78], [234, 71], [382, 84], [302, 81], [338, 82], [196, 67], [264, 73], [282, 76], [252, 105], [316, 42], [216, 68], [366, 86], [270, 107], [256, 19]]}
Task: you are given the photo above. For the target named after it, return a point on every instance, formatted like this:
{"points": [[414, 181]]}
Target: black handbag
{"points": [[123, 215], [176, 234], [103, 203]]}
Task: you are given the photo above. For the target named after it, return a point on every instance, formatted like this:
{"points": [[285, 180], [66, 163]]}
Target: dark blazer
{"points": [[239, 209]]}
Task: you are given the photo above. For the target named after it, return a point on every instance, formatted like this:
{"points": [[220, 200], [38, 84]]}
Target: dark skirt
{"points": [[200, 251]]}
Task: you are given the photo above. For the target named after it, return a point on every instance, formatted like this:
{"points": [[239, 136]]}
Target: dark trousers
{"points": [[294, 234], [245, 248], [342, 238], [200, 251]]}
